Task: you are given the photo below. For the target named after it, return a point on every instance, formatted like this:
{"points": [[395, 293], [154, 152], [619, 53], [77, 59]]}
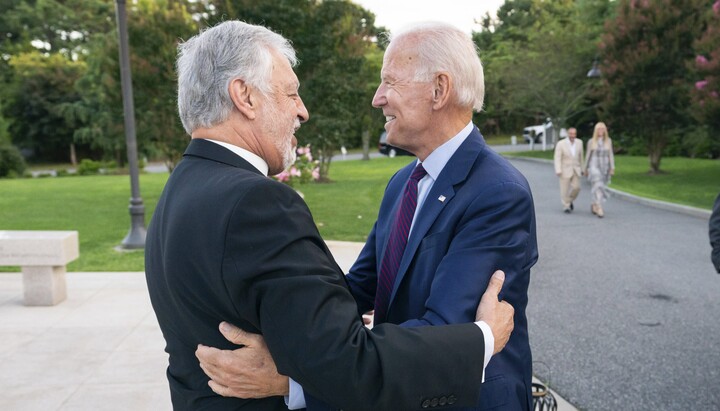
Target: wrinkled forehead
{"points": [[400, 58], [282, 73]]}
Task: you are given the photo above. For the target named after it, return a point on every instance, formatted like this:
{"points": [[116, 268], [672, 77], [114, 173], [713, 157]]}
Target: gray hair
{"points": [[444, 47], [209, 61]]}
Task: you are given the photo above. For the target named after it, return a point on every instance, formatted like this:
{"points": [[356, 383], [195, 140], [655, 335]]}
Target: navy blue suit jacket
{"points": [[485, 222]]}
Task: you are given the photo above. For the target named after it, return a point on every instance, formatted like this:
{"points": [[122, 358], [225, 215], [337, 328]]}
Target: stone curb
{"points": [[664, 205]]}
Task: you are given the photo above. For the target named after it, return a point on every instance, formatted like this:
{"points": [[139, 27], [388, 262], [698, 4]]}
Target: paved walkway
{"points": [[623, 310], [101, 349]]}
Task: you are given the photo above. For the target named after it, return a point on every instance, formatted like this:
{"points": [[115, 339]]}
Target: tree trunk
{"points": [[326, 154], [655, 150], [73, 156], [655, 156]]}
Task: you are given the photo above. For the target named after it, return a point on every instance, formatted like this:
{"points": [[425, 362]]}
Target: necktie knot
{"points": [[418, 173]]}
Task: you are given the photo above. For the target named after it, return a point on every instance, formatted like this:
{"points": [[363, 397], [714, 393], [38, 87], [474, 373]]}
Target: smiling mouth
{"points": [[389, 118]]}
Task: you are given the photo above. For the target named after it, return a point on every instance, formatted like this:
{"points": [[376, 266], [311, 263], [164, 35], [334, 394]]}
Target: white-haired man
{"points": [[228, 243]]}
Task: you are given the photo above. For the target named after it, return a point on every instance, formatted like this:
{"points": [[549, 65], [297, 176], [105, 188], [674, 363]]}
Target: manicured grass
{"points": [[97, 207], [692, 182], [500, 139], [347, 208]]}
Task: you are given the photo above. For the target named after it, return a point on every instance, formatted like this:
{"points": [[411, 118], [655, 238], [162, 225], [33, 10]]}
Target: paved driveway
{"points": [[624, 311]]}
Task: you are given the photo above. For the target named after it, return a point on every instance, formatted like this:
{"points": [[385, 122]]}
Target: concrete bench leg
{"points": [[44, 285]]}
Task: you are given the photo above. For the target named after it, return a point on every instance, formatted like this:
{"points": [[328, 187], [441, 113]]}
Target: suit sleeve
{"points": [[557, 158], [362, 278], [281, 278], [494, 234], [715, 233]]}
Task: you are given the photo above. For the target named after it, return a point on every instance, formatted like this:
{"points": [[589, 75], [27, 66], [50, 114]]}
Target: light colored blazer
{"points": [[565, 163]]}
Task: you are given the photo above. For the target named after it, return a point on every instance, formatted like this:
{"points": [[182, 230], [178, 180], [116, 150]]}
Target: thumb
{"points": [[234, 334], [496, 283]]}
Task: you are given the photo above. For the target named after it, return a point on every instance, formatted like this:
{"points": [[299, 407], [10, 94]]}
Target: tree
{"points": [[337, 81], [41, 85], [155, 28], [536, 54], [644, 50], [537, 67], [44, 35], [706, 90]]}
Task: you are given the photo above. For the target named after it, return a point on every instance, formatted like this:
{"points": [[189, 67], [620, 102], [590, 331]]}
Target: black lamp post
{"points": [[135, 239], [595, 70]]}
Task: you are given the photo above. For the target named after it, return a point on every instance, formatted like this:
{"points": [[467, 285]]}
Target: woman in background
{"points": [[600, 164]]}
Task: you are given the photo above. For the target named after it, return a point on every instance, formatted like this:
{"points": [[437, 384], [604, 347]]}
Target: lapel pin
{"points": [[441, 198]]}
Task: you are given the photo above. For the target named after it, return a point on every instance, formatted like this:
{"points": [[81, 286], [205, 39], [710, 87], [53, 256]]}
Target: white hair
{"points": [[443, 47], [209, 61]]}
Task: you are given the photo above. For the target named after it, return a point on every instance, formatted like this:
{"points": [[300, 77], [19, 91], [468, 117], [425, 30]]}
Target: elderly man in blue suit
{"points": [[428, 263], [474, 211]]}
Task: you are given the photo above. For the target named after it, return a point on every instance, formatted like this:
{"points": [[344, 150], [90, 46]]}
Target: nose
{"points": [[379, 99], [302, 112]]}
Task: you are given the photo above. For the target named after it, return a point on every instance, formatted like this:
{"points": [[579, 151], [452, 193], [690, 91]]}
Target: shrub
{"points": [[88, 167], [12, 163]]}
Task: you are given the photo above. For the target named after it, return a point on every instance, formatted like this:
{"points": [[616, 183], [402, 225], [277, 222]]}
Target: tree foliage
{"points": [[41, 85], [706, 65], [537, 55], [154, 30], [645, 50]]}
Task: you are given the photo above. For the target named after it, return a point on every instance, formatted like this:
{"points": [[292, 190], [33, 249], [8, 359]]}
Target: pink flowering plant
{"points": [[304, 170], [706, 90]]}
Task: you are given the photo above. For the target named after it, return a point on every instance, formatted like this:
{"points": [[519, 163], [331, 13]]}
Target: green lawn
{"points": [[97, 207], [693, 182]]}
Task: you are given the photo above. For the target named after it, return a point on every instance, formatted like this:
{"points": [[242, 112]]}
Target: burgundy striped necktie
{"points": [[396, 244]]}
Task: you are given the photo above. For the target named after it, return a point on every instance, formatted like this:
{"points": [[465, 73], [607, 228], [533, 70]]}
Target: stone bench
{"points": [[42, 256]]}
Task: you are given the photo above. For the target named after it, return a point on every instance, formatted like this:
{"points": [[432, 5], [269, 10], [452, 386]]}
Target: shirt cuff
{"points": [[489, 344], [296, 399]]}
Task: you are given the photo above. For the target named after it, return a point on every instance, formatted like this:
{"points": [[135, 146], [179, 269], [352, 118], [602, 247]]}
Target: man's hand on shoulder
{"points": [[497, 314], [247, 372]]}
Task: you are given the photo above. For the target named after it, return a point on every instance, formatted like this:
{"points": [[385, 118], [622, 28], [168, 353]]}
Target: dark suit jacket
{"points": [[486, 222], [227, 243], [714, 229]]}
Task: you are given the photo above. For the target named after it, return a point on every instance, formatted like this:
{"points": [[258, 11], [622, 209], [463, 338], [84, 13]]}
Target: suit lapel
{"points": [[455, 172]]}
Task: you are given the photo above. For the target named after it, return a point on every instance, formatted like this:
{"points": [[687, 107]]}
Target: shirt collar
{"points": [[252, 158], [436, 161]]}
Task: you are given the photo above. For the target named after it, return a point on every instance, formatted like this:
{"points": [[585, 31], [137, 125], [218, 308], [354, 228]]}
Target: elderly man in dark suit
{"points": [[474, 211], [228, 243]]}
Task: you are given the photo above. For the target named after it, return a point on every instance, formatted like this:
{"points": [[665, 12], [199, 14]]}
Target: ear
{"points": [[442, 86], [244, 98]]}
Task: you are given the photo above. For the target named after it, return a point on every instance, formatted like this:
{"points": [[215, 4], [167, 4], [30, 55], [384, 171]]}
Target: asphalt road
{"points": [[624, 311]]}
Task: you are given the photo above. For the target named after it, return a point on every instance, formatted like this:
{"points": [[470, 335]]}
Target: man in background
{"points": [[568, 159]]}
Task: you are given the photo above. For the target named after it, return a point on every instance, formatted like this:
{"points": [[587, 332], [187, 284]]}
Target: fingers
{"points": [[208, 355], [219, 389], [236, 335], [496, 282], [505, 325]]}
